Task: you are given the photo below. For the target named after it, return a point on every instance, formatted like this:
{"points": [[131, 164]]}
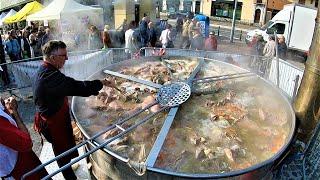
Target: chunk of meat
{"points": [[229, 154], [116, 105], [148, 100]]}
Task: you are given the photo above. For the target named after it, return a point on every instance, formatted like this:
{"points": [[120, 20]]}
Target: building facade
{"points": [[248, 11], [310, 3]]}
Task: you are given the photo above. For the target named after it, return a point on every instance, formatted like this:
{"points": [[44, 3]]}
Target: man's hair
{"points": [[52, 46], [132, 24]]}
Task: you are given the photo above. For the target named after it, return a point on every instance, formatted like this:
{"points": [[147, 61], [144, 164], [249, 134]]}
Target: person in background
{"points": [[270, 48], [259, 45], [211, 43], [166, 37], [282, 48], [152, 34], [94, 41], [39, 36], [124, 26], [130, 43], [25, 45], [106, 37], [46, 37], [4, 73], [185, 42], [50, 91], [17, 157], [198, 25], [143, 30], [17, 34], [197, 41], [191, 28], [35, 51], [179, 24], [12, 47]]}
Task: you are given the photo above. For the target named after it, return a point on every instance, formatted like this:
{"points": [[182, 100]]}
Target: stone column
{"points": [[206, 7], [181, 5], [193, 9], [123, 9], [148, 7], [164, 5], [107, 12]]}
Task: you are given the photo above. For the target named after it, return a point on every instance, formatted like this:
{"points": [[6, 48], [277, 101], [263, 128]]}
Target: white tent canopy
{"points": [[3, 14], [59, 8], [10, 13]]}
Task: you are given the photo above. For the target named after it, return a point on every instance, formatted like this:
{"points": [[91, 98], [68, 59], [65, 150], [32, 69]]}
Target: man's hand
{"points": [[11, 105]]}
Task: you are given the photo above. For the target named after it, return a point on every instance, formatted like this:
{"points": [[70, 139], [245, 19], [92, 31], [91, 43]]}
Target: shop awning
{"points": [[58, 8], [21, 15]]}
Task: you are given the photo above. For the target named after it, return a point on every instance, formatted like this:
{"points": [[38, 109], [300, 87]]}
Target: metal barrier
{"points": [[239, 34], [83, 63], [79, 66]]}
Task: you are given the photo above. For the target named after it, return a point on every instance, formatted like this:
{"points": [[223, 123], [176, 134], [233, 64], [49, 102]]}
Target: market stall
{"points": [[69, 13], [10, 13], [71, 18], [21, 15]]}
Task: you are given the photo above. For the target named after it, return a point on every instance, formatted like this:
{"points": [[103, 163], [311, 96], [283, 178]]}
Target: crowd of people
{"points": [[188, 31], [21, 44], [268, 48], [27, 42]]}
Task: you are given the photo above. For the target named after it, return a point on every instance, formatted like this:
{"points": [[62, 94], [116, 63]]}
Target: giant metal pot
{"points": [[106, 164]]}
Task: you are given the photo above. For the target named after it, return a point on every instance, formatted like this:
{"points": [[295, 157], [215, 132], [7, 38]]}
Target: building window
{"points": [[225, 9], [316, 3], [279, 28], [259, 1], [302, 1]]}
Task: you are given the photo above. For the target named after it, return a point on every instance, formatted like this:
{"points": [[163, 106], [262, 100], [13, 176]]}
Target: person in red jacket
{"points": [[211, 43], [16, 155]]}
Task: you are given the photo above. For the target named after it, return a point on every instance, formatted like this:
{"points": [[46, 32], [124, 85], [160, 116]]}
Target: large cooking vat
{"points": [[109, 163]]}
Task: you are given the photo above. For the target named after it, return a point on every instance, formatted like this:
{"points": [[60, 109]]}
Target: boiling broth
{"points": [[236, 124]]}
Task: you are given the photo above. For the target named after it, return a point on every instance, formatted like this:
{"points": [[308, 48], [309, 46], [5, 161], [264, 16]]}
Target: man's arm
{"points": [[12, 108], [67, 86]]}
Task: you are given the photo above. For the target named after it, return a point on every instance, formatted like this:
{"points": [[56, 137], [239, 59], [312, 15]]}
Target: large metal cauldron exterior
{"points": [[106, 166]]}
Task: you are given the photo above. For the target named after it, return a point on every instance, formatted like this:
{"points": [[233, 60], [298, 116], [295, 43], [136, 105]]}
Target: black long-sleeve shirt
{"points": [[51, 87]]}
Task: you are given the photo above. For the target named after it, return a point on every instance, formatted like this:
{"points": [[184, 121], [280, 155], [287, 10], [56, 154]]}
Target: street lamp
{"points": [[233, 20]]}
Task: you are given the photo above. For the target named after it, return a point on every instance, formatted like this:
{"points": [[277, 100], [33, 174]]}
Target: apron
{"points": [[58, 131]]}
